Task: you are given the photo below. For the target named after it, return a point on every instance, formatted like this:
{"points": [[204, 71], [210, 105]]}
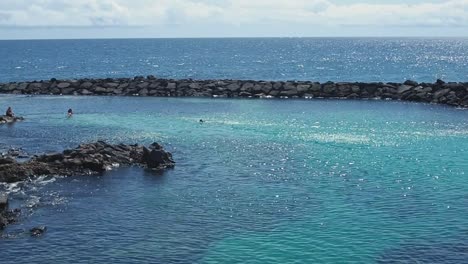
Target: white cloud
{"points": [[92, 13]]}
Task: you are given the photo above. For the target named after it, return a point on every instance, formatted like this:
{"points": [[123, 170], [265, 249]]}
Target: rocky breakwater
{"points": [[451, 93], [90, 158]]}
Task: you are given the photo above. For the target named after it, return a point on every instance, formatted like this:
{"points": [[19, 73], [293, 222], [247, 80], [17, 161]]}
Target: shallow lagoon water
{"points": [[261, 181]]}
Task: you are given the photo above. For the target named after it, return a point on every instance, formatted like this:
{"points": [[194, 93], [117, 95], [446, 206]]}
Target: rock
{"points": [[69, 90], [6, 216], [6, 160], [289, 93], [143, 85], [156, 158], [86, 159], [151, 86], [410, 83], [22, 86], [112, 85], [247, 87], [441, 93], [316, 87], [233, 87], [86, 92], [63, 85], [404, 88], [86, 85], [3, 202], [302, 88], [329, 88], [37, 231], [7, 119], [100, 90]]}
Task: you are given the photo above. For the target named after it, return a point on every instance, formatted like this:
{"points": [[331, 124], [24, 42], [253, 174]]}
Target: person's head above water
{"points": [[70, 111], [201, 121]]}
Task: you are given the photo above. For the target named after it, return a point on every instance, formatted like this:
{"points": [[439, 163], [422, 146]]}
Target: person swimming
{"points": [[201, 121], [9, 112], [70, 113]]}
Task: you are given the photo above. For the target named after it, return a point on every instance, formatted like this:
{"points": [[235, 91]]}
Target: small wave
{"points": [[33, 201]]}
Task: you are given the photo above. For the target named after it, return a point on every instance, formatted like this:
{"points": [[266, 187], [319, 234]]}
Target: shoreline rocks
{"points": [[440, 92], [89, 158], [92, 158]]}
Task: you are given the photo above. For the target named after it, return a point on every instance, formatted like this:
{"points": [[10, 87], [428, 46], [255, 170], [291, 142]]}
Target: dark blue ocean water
{"points": [[320, 59]]}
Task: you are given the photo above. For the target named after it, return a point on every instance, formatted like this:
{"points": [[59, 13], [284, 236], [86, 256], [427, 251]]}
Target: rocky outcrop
{"points": [[90, 158], [86, 159], [452, 93], [8, 119]]}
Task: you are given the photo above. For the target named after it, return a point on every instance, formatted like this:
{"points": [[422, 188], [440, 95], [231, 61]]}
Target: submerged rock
{"points": [[38, 231], [8, 119]]}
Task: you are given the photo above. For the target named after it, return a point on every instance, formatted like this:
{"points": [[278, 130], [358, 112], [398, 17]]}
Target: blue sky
{"points": [[31, 19]]}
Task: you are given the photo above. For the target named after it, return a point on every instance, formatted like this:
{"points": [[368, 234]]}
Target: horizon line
{"points": [[240, 37]]}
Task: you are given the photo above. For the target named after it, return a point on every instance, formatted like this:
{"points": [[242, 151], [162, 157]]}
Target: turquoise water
{"points": [[261, 181], [312, 59]]}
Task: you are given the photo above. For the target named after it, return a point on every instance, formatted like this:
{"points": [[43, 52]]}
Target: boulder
{"points": [[302, 88], [441, 93], [37, 231], [86, 92], [233, 87], [86, 85], [8, 119], [156, 158], [247, 87], [63, 85], [404, 88], [411, 83]]}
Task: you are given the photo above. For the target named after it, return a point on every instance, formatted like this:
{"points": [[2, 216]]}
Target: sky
{"points": [[64, 19]]}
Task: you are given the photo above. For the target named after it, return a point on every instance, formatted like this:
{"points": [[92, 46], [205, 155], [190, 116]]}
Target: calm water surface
{"points": [[262, 181]]}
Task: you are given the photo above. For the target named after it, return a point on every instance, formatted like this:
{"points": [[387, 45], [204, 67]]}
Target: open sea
{"points": [[261, 181]]}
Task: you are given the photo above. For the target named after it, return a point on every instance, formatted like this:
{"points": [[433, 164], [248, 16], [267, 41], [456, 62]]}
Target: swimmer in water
{"points": [[70, 113], [9, 112]]}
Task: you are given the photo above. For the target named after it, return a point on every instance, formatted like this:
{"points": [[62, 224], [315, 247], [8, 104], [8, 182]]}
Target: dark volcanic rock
{"points": [[38, 231], [7, 119], [156, 158], [86, 159], [6, 216]]}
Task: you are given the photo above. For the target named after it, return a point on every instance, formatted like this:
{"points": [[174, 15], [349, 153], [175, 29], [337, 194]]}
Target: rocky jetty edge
{"points": [[440, 92], [92, 158]]}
